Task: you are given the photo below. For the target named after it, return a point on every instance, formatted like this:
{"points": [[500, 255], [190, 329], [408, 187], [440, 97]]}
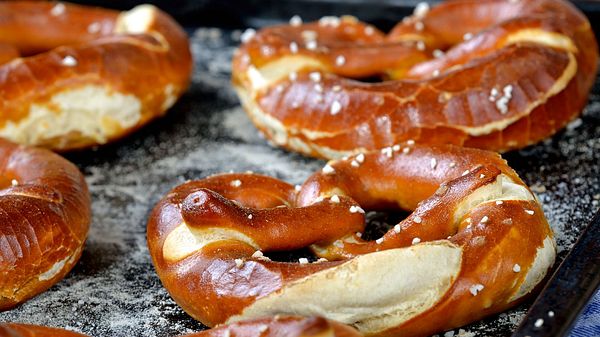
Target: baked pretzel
{"points": [[44, 220], [26, 330], [75, 76], [490, 74], [267, 327], [476, 243], [289, 326]]}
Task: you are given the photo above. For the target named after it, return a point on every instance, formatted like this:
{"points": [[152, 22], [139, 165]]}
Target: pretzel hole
{"points": [[371, 79], [380, 222], [292, 255], [377, 224]]}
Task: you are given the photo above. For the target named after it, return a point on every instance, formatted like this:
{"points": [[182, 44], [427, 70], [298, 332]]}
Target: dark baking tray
{"points": [[114, 291]]}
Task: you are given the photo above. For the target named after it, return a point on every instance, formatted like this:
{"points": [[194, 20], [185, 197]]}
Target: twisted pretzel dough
{"points": [[476, 243], [491, 74], [289, 326], [97, 74], [44, 220]]}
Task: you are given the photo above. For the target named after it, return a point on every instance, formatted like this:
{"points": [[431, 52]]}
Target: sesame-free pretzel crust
{"points": [[476, 242], [491, 74], [44, 218], [73, 76]]}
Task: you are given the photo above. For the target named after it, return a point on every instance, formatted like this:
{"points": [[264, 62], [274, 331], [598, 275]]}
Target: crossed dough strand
{"points": [[475, 244]]}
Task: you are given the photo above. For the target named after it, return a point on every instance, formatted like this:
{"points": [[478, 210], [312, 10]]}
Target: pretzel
{"points": [[289, 326], [26, 330], [475, 244], [267, 327], [507, 77], [73, 76], [44, 220]]}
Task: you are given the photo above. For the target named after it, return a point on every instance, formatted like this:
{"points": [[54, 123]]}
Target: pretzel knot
{"points": [[289, 326], [509, 76], [476, 242], [74, 76]]}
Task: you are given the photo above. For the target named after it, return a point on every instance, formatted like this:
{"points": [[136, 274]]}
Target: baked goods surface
{"points": [[452, 261], [44, 220], [288, 326], [73, 76], [506, 77]]}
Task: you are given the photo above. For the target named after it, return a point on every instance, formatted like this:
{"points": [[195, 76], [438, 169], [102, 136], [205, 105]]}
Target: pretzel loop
{"points": [[74, 76], [208, 240], [506, 78]]}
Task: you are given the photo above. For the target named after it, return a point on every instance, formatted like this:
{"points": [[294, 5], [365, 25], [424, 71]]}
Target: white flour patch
{"points": [[238, 125]]}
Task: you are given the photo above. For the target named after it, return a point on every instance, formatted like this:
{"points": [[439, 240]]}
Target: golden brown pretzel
{"points": [[506, 77], [289, 326], [44, 220], [26, 330], [452, 261], [95, 74]]}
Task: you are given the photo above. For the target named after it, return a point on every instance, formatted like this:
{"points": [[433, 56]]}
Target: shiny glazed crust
{"points": [[289, 326], [452, 261], [44, 220], [503, 79], [95, 75]]}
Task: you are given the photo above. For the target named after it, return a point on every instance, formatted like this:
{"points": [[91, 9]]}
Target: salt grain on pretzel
{"points": [[440, 271], [522, 72]]}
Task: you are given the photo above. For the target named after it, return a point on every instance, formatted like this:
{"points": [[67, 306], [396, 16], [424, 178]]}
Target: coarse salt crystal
{"points": [[293, 47], [315, 76], [247, 35], [476, 288], [421, 9], [336, 107], [328, 169], [296, 21], [69, 61]]}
